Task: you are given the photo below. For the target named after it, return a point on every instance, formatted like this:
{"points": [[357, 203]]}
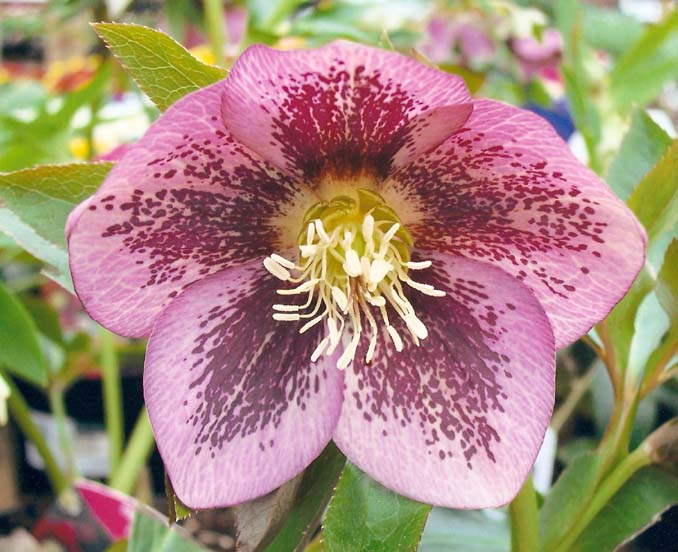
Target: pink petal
{"points": [[507, 190], [458, 421], [183, 202], [112, 509], [340, 108], [237, 407]]}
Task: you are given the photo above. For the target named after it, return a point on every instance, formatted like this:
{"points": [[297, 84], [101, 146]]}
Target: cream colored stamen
{"points": [[352, 273]]}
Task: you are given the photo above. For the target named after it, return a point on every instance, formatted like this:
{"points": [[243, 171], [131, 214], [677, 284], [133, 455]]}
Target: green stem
{"points": [[607, 489], [615, 443], [112, 388], [55, 395], [523, 516], [21, 415], [214, 23], [136, 454]]}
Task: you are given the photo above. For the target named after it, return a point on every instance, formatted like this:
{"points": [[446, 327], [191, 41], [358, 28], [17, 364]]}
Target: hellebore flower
{"points": [[341, 244]]}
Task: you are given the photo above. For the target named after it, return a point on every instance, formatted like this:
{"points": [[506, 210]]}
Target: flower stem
{"points": [[607, 489], [523, 516], [112, 387], [138, 450], [56, 404], [214, 23], [21, 415]]}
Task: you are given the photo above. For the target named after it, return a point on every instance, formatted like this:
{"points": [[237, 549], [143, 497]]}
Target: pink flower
{"points": [[444, 35], [539, 57], [341, 244]]}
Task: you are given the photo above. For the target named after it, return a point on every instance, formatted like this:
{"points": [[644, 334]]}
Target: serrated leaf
{"points": [[20, 350], [636, 506], [655, 199], [652, 61], [365, 516], [162, 67], [35, 203], [642, 146], [312, 497]]}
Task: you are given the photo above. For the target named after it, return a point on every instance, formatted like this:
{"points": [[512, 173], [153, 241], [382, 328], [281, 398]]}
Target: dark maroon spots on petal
{"points": [[220, 214], [246, 373], [449, 384], [343, 109]]}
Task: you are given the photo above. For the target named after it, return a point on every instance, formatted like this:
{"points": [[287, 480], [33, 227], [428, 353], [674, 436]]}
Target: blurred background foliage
{"points": [[603, 73]]}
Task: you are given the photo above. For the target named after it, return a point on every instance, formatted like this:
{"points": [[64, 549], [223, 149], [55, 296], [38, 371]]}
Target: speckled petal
{"points": [[343, 108], [186, 201], [237, 407], [457, 421], [506, 190]]}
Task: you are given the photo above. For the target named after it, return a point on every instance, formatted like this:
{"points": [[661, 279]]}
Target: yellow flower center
{"points": [[354, 260]]}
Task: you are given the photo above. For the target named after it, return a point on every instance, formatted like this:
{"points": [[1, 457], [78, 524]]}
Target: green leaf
{"points": [[610, 30], [365, 516], [45, 318], [34, 205], [667, 281], [177, 510], [569, 19], [636, 506], [563, 505], [312, 497], [20, 350], [621, 322], [652, 61], [470, 531], [162, 67], [650, 326], [259, 520], [151, 532], [641, 149], [655, 199]]}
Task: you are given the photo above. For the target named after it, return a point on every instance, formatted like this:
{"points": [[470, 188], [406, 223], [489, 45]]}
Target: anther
{"points": [[276, 269]]}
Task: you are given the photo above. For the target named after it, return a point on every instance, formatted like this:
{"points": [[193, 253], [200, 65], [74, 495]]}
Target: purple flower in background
{"points": [[341, 244], [464, 42], [539, 57]]}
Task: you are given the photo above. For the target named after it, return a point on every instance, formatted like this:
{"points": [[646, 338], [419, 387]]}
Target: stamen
{"points": [[285, 316], [283, 261], [395, 337], [321, 231], [274, 268], [418, 265], [340, 298], [320, 349], [352, 264], [353, 271]]}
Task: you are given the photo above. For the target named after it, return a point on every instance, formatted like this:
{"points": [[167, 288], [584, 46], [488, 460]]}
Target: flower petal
{"points": [[185, 201], [237, 407], [341, 108], [506, 190], [457, 421]]}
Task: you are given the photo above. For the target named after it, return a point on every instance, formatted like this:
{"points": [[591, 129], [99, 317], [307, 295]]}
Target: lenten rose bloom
{"points": [[340, 243]]}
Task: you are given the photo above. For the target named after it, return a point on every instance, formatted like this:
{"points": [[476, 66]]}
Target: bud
{"points": [[662, 445]]}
